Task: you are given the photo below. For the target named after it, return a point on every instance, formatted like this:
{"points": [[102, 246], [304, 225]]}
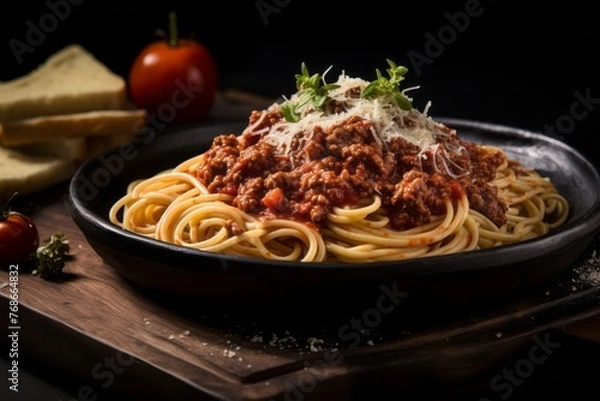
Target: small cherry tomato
{"points": [[19, 236], [176, 80]]}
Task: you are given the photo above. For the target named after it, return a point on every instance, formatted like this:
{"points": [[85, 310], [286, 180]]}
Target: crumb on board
{"points": [[589, 272], [228, 353], [315, 344]]}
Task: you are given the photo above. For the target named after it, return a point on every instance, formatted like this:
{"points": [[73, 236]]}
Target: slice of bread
{"points": [[35, 166], [78, 149], [94, 145], [90, 123], [70, 81], [70, 148], [26, 174]]}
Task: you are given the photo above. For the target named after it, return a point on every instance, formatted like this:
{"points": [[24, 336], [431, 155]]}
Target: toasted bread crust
{"points": [[91, 123], [70, 81], [25, 173]]}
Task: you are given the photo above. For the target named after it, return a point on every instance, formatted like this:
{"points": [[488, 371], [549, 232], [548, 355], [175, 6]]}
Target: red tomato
{"points": [[176, 80], [19, 237], [274, 199]]}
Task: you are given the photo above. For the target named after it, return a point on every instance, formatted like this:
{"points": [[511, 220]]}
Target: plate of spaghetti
{"points": [[341, 182]]}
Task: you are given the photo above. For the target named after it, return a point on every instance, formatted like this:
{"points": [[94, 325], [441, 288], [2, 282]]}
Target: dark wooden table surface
{"points": [[100, 337]]}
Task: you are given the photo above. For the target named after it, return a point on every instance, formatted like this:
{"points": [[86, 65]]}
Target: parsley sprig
{"points": [[383, 86], [51, 255], [311, 89]]}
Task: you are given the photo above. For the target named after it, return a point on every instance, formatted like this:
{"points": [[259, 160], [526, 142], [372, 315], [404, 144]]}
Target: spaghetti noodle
{"points": [[354, 179]]}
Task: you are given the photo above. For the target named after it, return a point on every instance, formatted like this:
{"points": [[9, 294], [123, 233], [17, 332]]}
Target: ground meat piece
{"points": [[259, 124], [418, 197], [367, 156], [312, 149], [485, 162], [406, 155], [254, 161], [484, 199], [249, 195], [219, 158], [319, 188], [355, 130]]}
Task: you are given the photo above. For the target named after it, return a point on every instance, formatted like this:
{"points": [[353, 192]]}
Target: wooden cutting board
{"points": [[111, 338]]}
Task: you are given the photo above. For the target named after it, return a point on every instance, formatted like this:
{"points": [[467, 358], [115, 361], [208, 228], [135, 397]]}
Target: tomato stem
{"points": [[5, 208], [173, 34]]}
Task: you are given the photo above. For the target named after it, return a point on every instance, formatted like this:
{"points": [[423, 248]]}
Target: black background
{"points": [[516, 63]]}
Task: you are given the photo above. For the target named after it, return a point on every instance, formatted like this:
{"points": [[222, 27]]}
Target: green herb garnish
{"points": [[50, 257], [383, 86], [311, 88]]}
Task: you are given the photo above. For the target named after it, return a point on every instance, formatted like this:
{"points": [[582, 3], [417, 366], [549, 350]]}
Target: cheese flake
{"points": [[388, 119]]}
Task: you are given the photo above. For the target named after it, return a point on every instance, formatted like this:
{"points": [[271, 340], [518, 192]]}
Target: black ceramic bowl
{"points": [[427, 282]]}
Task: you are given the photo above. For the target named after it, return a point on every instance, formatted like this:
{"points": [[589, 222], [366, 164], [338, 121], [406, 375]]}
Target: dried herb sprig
{"points": [[51, 255]]}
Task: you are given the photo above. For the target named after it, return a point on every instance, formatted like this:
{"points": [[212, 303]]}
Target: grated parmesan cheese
{"points": [[388, 119]]}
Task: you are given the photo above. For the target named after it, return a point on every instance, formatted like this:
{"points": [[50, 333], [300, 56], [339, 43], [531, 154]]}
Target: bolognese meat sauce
{"points": [[337, 165]]}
